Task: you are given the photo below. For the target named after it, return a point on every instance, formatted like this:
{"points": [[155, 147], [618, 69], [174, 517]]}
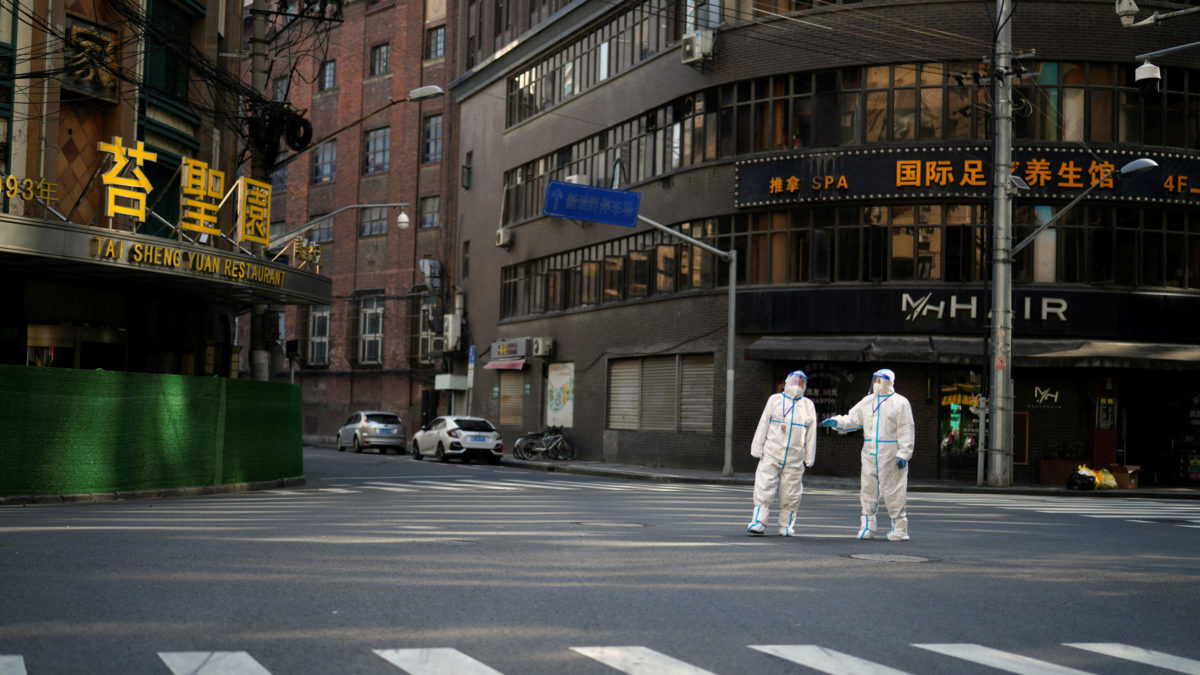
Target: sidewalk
{"points": [[673, 475]]}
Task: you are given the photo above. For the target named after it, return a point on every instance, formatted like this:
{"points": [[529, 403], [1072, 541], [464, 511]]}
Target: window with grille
{"points": [[379, 59], [432, 135], [321, 232], [324, 163], [429, 211], [373, 221], [327, 78], [370, 339], [377, 144], [318, 335], [435, 43]]}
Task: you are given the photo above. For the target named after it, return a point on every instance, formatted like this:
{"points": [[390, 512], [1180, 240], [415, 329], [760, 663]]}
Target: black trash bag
{"points": [[1081, 480]]}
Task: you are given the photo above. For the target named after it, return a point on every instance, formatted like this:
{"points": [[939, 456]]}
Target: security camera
{"points": [[1126, 10], [1147, 76]]}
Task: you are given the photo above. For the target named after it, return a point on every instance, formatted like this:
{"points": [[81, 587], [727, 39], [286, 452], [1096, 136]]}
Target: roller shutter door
{"points": [[623, 393], [696, 385], [512, 398], [658, 393]]}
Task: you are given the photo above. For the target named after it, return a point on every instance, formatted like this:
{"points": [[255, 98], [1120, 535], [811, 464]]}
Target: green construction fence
{"points": [[78, 431]]}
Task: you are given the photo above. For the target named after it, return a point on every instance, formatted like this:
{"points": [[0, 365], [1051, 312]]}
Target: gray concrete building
{"points": [[844, 151]]}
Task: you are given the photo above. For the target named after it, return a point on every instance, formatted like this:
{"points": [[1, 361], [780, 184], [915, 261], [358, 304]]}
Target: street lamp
{"points": [[1000, 401]]}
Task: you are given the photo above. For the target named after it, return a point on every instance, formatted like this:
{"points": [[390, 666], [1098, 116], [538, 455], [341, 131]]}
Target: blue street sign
{"points": [[597, 204]]}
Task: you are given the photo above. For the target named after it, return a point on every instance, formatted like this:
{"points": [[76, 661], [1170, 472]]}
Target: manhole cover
{"points": [[592, 523], [891, 557]]}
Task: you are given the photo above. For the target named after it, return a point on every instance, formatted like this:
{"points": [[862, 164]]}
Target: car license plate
{"points": [[478, 439], [387, 431]]}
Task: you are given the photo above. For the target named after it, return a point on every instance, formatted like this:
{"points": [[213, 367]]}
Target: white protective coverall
{"points": [[887, 422], [785, 443]]}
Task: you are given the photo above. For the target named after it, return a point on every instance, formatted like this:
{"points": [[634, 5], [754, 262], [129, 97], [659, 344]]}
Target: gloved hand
{"points": [[756, 452], [808, 465], [902, 463], [829, 422]]}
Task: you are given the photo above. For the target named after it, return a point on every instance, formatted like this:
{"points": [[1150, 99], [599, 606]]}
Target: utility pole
{"points": [[260, 355], [1000, 402]]}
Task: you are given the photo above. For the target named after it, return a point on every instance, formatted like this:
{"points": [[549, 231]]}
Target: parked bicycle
{"points": [[549, 443]]}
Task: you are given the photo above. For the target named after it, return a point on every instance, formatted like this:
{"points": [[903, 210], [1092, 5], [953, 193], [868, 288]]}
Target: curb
{"points": [[158, 493]]}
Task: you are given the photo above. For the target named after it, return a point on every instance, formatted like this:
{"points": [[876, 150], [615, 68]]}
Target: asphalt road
{"points": [[380, 559]]}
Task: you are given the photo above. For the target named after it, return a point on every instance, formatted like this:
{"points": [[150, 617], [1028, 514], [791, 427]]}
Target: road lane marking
{"points": [[826, 660], [212, 663], [1139, 655], [438, 661], [1000, 660], [639, 661]]}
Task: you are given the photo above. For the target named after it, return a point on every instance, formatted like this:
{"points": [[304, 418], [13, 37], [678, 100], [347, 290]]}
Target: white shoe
{"points": [[787, 532], [756, 528], [897, 536], [865, 534]]}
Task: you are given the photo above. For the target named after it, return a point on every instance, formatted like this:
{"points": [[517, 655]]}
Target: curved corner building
{"points": [[845, 152]]}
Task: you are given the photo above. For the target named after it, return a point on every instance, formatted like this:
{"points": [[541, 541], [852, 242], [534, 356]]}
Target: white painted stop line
{"points": [[639, 661]]}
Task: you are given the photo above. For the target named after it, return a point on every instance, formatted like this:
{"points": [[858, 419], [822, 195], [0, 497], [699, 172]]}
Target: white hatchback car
{"points": [[467, 438]]}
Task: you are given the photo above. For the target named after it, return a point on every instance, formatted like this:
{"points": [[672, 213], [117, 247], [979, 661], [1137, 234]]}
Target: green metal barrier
{"points": [[77, 431]]}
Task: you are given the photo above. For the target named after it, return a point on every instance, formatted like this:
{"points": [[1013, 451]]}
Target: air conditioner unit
{"points": [[504, 237], [437, 345], [543, 346], [697, 47], [451, 329]]}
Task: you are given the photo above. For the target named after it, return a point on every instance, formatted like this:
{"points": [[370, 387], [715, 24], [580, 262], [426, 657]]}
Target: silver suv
{"points": [[372, 429]]}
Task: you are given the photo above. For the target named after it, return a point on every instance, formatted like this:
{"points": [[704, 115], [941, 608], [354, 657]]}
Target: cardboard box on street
{"points": [[1126, 475]]}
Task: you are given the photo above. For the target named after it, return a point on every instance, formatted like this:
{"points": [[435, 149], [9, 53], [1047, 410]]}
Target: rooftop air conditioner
{"points": [[504, 237], [697, 47]]}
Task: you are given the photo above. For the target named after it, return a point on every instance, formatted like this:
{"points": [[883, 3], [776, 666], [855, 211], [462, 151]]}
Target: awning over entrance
{"points": [[504, 364], [1065, 353]]}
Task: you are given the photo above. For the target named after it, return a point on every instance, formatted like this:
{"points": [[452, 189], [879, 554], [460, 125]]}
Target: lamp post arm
{"points": [[1169, 50], [723, 255], [285, 238], [1026, 241], [1159, 18]]}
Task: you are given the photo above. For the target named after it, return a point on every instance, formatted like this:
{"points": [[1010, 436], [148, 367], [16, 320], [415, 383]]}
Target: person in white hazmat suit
{"points": [[785, 443], [886, 420]]}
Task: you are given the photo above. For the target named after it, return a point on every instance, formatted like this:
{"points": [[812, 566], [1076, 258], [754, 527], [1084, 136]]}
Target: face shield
{"points": [[883, 382], [794, 384]]}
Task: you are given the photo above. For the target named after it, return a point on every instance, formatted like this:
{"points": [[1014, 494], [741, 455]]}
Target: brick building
{"points": [[843, 150], [369, 192]]}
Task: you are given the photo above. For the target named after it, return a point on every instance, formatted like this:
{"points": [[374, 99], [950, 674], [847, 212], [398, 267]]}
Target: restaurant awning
{"points": [[504, 364], [1030, 352]]}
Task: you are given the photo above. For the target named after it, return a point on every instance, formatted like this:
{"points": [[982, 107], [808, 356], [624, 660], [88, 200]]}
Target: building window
{"points": [[661, 393], [279, 88], [279, 176], [318, 335], [321, 232], [373, 221], [377, 145], [379, 60], [429, 211], [324, 163], [432, 151], [327, 78], [370, 336], [466, 259], [435, 43]]}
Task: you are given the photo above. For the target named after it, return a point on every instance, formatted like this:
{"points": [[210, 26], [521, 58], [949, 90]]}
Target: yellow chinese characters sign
{"points": [[254, 211], [201, 193]]}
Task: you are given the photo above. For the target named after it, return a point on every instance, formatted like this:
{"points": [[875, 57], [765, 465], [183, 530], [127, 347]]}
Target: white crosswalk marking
{"points": [[437, 485], [994, 658], [826, 660], [12, 665], [1149, 657], [212, 663], [435, 662], [639, 661], [389, 487]]}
